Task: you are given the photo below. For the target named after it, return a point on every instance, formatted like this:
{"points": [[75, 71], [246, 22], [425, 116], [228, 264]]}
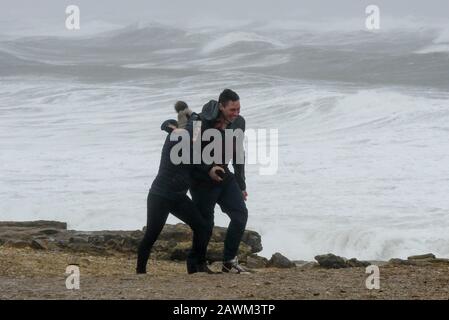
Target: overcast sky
{"points": [[23, 13], [192, 9]]}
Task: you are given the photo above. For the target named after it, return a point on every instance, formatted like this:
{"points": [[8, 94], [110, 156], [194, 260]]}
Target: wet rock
{"points": [[218, 234], [49, 231], [174, 241], [39, 244], [331, 261], [439, 260], [19, 244], [253, 261], [354, 263], [280, 261], [113, 244], [243, 253], [88, 248], [422, 257], [137, 234], [34, 224], [96, 240], [214, 251], [396, 261], [77, 240], [180, 251], [253, 239], [178, 232]]}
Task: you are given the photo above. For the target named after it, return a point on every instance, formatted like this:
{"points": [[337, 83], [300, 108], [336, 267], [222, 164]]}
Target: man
{"points": [[168, 194], [214, 183]]}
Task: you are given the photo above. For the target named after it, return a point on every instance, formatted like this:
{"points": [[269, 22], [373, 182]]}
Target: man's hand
{"points": [[213, 173], [245, 195]]}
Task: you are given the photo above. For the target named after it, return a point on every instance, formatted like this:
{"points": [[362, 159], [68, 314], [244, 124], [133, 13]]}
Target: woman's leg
{"points": [[157, 213]]}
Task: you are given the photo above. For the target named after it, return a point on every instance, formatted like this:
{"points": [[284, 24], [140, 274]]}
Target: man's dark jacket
{"points": [[208, 117]]}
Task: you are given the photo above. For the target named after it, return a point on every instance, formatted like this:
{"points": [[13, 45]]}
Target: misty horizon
{"points": [[17, 14]]}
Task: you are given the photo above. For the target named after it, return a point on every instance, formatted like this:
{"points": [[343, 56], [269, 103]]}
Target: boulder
{"points": [[252, 239], [88, 248], [396, 261], [173, 243], [253, 261], [96, 239], [354, 263], [39, 244], [218, 234], [78, 240], [180, 251], [331, 261], [19, 244], [439, 260], [179, 232], [280, 261], [48, 231], [34, 224], [422, 257], [214, 251]]}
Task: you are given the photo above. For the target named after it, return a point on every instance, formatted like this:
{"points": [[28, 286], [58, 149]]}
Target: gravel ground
{"points": [[32, 274]]}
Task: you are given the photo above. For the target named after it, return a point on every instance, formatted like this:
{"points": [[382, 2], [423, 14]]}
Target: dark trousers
{"points": [[230, 199], [158, 209]]}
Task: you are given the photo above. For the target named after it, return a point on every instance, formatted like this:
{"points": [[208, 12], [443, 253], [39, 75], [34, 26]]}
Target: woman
{"points": [[168, 195]]}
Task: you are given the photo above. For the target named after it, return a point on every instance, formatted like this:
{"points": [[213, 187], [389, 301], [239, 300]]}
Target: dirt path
{"points": [[30, 274]]}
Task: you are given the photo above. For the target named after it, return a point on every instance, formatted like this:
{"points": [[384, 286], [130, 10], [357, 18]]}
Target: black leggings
{"points": [[158, 209]]}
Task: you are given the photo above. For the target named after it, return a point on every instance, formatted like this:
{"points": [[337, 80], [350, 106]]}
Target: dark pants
{"points": [[230, 199], [158, 209]]}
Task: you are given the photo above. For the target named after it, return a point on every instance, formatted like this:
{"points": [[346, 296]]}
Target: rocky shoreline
{"points": [[42, 250]]}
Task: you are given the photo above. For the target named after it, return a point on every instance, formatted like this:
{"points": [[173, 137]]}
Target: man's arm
{"points": [[195, 133], [239, 169]]}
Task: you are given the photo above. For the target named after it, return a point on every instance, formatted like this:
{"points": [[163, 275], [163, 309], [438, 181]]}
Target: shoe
{"points": [[191, 268], [141, 271], [200, 267], [233, 266]]}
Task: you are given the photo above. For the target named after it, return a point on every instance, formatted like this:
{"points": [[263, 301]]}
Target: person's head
{"points": [[180, 105], [229, 104]]}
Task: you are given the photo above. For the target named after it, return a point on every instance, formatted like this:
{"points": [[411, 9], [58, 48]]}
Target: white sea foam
{"points": [[362, 154], [236, 37]]}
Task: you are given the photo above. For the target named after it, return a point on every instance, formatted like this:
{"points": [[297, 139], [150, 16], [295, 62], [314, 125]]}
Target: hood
{"points": [[210, 111]]}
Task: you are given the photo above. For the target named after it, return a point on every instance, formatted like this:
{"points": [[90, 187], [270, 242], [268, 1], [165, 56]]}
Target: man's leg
{"points": [[205, 200], [186, 211], [232, 203], [157, 213]]}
